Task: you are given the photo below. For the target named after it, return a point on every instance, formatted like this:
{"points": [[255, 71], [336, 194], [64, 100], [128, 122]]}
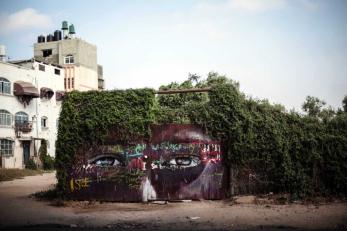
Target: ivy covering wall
{"points": [[268, 149], [87, 117], [278, 151]]}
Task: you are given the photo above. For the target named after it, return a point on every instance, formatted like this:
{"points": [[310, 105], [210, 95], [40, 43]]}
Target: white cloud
{"points": [[257, 5], [253, 6], [24, 19]]}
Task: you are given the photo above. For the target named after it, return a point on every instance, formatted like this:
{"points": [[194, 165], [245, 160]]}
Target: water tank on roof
{"points": [[41, 39], [50, 38], [64, 25], [72, 29], [57, 35], [65, 29]]}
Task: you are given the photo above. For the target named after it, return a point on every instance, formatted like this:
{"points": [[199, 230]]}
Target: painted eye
{"points": [[107, 161], [184, 162]]}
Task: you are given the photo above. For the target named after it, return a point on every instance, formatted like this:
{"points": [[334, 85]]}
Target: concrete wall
{"points": [[35, 110], [84, 53], [179, 162], [86, 79], [39, 47], [85, 66], [83, 78]]}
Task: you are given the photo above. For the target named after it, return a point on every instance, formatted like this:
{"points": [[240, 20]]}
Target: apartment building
{"points": [[31, 94]]}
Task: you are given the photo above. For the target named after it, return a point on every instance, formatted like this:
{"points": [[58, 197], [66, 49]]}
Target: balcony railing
{"points": [[24, 126]]}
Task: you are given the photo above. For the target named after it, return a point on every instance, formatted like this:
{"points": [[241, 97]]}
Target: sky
{"points": [[280, 50]]}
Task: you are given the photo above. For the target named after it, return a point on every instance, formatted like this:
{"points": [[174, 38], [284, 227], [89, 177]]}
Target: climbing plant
{"points": [[46, 160], [267, 148], [87, 117]]}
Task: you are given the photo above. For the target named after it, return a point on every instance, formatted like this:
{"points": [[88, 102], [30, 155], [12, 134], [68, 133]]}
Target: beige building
{"points": [[76, 56]]}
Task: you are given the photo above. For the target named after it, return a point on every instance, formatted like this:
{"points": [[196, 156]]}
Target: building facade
{"points": [[76, 56], [31, 94]]}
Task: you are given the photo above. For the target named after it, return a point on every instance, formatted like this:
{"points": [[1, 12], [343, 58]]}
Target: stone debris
{"points": [[159, 202], [245, 199]]}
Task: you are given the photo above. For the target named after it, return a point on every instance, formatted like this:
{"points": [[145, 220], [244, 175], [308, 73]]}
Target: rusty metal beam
{"points": [[176, 91]]}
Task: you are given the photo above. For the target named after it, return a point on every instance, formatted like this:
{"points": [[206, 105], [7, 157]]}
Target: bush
{"points": [[46, 160], [48, 163], [31, 165], [50, 194]]}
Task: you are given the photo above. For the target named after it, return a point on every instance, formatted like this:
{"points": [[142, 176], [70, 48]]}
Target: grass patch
{"points": [[51, 195], [11, 174]]}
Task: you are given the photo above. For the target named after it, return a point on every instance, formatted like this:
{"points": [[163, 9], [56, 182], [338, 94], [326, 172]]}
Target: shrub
{"points": [[31, 165], [46, 160], [48, 163]]}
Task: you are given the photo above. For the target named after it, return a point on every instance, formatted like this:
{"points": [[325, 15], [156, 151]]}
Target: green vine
{"points": [[87, 117], [277, 150]]}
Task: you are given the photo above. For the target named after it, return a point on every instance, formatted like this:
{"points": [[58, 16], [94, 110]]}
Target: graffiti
{"points": [[179, 162], [78, 184], [148, 192], [131, 178]]}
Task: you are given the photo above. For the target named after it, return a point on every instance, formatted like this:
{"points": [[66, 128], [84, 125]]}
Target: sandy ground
{"points": [[17, 208]]}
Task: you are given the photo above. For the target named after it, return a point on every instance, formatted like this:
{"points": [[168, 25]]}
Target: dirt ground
{"points": [[18, 209]]}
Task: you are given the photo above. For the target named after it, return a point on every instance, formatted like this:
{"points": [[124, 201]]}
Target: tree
{"points": [[214, 78], [313, 106], [327, 114], [344, 103]]}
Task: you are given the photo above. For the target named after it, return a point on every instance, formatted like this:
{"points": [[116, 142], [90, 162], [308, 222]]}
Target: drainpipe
{"points": [[37, 116]]}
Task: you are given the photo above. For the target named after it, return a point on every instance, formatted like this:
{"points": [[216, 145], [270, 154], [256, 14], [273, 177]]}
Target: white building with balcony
{"points": [[31, 94]]}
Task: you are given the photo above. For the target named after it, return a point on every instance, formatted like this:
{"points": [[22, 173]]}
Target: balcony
{"points": [[24, 127]]}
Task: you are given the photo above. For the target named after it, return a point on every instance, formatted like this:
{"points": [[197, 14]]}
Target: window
{"points": [[42, 67], [21, 118], [46, 53], [72, 83], [5, 118], [68, 83], [5, 86], [6, 147], [44, 122], [65, 83], [69, 59], [56, 71]]}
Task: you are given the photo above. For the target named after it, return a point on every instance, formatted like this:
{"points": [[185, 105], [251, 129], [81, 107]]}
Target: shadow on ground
{"points": [[138, 227]]}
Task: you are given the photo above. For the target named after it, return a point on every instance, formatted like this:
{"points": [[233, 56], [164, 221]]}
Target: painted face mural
{"points": [[178, 162]]}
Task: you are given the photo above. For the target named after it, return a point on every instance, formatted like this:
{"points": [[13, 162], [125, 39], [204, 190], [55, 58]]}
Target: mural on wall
{"points": [[178, 162]]}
